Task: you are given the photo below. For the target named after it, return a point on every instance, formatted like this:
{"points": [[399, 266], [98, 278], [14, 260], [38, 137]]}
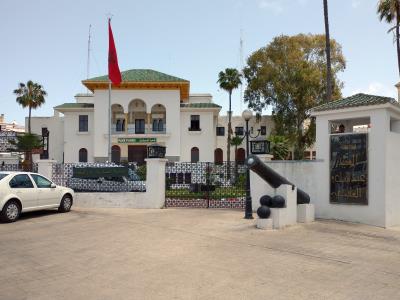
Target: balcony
{"points": [[148, 129]]}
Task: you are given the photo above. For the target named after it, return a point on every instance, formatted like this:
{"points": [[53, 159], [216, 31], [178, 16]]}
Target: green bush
{"points": [[141, 172], [279, 147]]}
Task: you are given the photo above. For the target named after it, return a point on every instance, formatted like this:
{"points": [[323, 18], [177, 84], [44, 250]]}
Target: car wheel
{"points": [[65, 204], [10, 212]]}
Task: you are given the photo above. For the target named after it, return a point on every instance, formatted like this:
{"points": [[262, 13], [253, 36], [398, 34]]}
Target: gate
{"points": [[205, 185]]}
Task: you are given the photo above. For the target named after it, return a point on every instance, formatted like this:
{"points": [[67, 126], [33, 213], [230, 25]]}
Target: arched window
{"points": [[82, 155], [218, 156], [115, 154], [194, 155], [240, 155], [158, 116]]}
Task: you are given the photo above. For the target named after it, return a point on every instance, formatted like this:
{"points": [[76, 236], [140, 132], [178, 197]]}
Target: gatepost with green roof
{"points": [[358, 141]]}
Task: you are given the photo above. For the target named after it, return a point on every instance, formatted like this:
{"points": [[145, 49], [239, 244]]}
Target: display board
{"points": [[97, 172], [349, 168]]}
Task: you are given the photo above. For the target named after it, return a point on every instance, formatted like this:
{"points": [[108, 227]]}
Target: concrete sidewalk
{"points": [[192, 254]]}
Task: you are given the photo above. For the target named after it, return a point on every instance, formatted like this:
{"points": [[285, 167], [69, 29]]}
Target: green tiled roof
{"points": [[142, 75], [84, 95], [355, 101], [200, 105], [74, 105]]}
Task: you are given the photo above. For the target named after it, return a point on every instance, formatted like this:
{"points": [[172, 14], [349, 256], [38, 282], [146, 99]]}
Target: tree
{"points": [[228, 81], [289, 74], [26, 142], [30, 95], [328, 54], [279, 147], [389, 10]]}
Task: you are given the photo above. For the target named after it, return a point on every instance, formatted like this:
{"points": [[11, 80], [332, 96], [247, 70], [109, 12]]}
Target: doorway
{"points": [[137, 154]]}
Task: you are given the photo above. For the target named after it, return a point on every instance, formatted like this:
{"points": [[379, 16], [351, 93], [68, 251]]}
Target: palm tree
{"points": [[30, 95], [328, 54], [389, 10], [228, 81], [236, 141]]}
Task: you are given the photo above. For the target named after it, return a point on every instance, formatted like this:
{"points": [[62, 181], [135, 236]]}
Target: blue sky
{"points": [[46, 41]]}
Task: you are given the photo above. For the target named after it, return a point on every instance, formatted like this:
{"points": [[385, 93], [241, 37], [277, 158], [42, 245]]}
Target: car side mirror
{"points": [[53, 186]]}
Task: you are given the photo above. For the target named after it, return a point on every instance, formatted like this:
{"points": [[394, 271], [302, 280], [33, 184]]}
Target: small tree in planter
{"points": [[26, 143]]}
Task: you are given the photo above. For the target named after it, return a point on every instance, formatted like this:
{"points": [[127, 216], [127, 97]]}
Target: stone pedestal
{"points": [[265, 224], [287, 215], [155, 181], [45, 167], [305, 213]]}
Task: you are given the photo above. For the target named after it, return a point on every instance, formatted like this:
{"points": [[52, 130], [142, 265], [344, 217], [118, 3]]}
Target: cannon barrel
{"points": [[273, 178]]}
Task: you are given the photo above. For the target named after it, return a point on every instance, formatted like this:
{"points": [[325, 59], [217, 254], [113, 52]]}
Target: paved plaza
{"points": [[192, 254]]}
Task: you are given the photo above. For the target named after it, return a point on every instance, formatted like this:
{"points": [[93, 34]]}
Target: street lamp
{"points": [[248, 214]]}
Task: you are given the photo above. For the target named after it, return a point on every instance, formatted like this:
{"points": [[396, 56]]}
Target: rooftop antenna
{"points": [[88, 55]]}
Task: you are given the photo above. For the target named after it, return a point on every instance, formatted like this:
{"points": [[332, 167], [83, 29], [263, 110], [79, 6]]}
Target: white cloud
{"points": [[378, 89]]}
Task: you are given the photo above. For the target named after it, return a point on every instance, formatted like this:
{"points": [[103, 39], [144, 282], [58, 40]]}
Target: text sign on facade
{"points": [[349, 168], [136, 140], [96, 172]]}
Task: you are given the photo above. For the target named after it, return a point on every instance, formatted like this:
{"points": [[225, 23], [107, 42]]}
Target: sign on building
{"points": [[349, 168], [136, 140]]}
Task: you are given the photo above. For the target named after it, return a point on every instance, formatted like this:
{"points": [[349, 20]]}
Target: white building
{"points": [[11, 127], [147, 107], [8, 131]]}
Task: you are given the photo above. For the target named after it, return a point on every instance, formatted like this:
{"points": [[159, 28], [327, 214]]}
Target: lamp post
{"points": [[248, 214]]}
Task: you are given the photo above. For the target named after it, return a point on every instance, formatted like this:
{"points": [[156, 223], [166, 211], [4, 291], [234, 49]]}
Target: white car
{"points": [[25, 191]]}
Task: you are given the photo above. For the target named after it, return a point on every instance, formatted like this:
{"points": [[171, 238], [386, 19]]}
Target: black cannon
{"points": [[272, 178]]}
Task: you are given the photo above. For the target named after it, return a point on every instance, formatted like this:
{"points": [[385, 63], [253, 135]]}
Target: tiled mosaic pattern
{"points": [[17, 167], [5, 137], [62, 175], [234, 203]]}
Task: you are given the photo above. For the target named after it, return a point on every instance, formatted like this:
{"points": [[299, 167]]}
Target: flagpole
{"points": [[109, 121]]}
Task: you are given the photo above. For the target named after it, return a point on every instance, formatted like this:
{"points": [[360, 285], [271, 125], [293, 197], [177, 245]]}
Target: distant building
{"points": [[8, 131], [13, 126]]}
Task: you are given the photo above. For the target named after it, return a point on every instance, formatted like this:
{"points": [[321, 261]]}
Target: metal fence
{"points": [[62, 174], [205, 180]]}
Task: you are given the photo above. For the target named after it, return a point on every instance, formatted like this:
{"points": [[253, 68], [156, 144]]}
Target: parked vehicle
{"points": [[25, 191]]}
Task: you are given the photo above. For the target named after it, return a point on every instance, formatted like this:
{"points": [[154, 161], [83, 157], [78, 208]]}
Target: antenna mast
{"points": [[241, 65], [88, 55]]}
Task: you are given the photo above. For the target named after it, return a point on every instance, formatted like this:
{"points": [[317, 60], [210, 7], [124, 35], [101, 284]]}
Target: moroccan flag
{"points": [[113, 70]]}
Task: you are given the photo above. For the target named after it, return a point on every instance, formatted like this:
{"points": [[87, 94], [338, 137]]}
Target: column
{"points": [[126, 122], [148, 122], [155, 182]]}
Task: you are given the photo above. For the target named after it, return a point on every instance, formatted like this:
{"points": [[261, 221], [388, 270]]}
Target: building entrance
{"points": [[137, 154]]}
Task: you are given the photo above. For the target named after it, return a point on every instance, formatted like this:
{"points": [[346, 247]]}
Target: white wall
{"points": [[204, 139], [55, 125], [154, 197], [303, 174], [221, 141], [393, 179], [374, 212], [75, 140]]}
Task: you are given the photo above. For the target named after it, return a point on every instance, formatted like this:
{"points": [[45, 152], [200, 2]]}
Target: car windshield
{"points": [[2, 175]]}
